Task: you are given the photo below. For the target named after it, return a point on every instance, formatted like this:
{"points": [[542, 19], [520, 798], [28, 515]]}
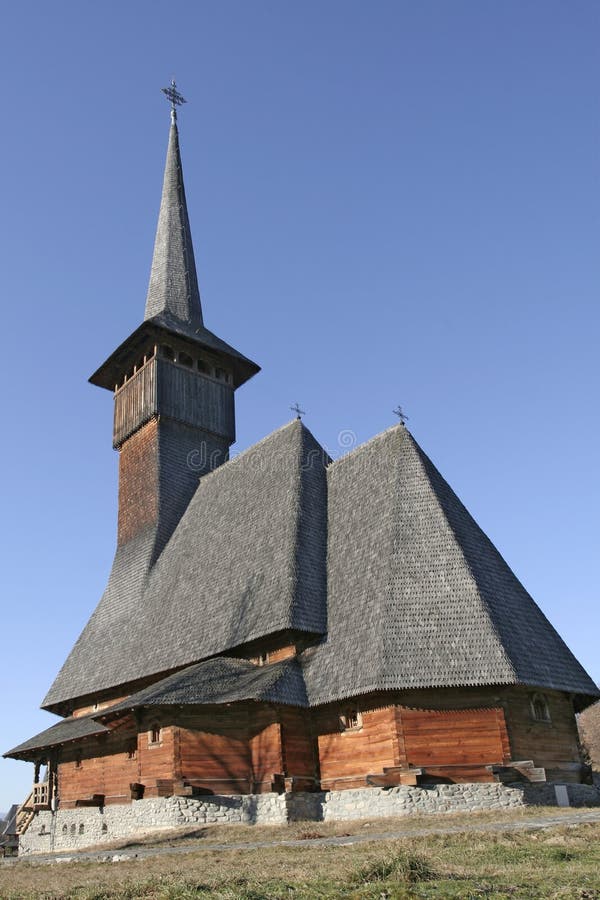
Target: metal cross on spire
{"points": [[299, 412], [401, 414], [175, 98]]}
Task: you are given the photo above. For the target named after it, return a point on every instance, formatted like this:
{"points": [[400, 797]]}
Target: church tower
{"points": [[173, 381]]}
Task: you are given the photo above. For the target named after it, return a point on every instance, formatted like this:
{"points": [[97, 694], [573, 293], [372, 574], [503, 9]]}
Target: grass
{"points": [[239, 834], [558, 863]]}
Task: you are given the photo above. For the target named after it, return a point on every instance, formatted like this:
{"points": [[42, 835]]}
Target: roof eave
{"points": [[30, 754], [111, 371]]}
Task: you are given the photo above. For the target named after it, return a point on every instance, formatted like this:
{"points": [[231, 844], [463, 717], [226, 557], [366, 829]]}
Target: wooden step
{"points": [[393, 776], [517, 770]]}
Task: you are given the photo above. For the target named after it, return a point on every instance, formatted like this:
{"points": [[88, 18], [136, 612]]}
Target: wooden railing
{"points": [[40, 795], [39, 798]]}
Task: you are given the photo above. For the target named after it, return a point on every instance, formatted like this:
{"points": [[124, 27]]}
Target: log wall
{"points": [[446, 729], [548, 744], [255, 748], [554, 744], [347, 757], [300, 752], [456, 738], [214, 750], [158, 761], [98, 766]]}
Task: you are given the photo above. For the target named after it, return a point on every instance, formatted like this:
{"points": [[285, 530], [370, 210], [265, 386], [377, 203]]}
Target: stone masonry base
{"points": [[73, 829]]}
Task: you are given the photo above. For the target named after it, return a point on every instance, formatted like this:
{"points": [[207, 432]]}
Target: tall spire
{"points": [[173, 317], [173, 288]]}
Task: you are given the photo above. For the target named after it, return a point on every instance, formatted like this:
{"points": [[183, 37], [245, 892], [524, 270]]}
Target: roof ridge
{"points": [[380, 436], [420, 453], [243, 453], [247, 450]]}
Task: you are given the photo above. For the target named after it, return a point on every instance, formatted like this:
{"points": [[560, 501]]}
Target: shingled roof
{"points": [[246, 560], [70, 729], [410, 592], [417, 595], [223, 680], [173, 287]]}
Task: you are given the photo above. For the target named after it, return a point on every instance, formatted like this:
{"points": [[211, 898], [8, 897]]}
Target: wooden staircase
{"points": [[25, 814], [37, 799]]}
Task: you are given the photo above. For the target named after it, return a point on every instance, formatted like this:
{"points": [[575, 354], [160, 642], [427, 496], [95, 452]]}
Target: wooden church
{"points": [[281, 621]]}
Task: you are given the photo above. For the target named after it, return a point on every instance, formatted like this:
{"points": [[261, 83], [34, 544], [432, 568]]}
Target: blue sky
{"points": [[391, 202]]}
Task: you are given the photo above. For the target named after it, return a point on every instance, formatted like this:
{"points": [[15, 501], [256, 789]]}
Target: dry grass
{"points": [[557, 863], [241, 834]]}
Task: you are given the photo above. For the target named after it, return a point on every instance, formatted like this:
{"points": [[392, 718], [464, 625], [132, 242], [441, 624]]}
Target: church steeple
{"points": [[173, 288], [173, 324], [174, 383]]}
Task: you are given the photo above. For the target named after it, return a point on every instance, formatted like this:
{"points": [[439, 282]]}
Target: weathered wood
{"points": [[94, 800], [453, 737], [394, 776], [188, 396], [347, 757], [299, 748], [464, 735]]}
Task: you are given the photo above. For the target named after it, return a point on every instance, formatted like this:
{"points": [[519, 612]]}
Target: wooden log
{"points": [[95, 800]]}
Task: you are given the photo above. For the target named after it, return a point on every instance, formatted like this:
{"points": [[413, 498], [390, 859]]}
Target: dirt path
{"points": [[531, 823]]}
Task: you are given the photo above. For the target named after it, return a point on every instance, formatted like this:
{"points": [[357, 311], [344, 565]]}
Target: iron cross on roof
{"points": [[172, 94], [401, 414], [299, 412]]}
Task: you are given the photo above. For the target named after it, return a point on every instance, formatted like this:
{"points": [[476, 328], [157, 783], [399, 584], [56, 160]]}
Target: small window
{"points": [[351, 719], [167, 352], [81, 828], [132, 750], [73, 828], [65, 829], [202, 367], [186, 360], [221, 374], [154, 735], [540, 710], [104, 828]]}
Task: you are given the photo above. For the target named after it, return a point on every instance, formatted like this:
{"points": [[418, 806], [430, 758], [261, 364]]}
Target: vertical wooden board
{"points": [[266, 753], [299, 748], [503, 731], [400, 758]]}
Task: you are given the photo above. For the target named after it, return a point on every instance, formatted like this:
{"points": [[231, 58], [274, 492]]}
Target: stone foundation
{"points": [[73, 829]]}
